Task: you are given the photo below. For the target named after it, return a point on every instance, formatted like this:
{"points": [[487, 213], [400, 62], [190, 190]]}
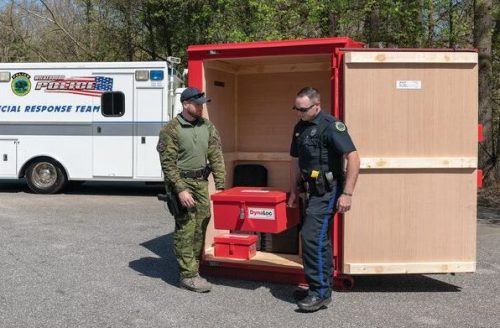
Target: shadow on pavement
{"points": [[114, 188], [111, 188], [13, 186], [164, 266], [401, 284]]}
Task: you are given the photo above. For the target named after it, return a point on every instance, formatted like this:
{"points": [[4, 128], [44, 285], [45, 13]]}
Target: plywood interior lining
{"points": [[253, 111], [261, 258], [252, 100]]}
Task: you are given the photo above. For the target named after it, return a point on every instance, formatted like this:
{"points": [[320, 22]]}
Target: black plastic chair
{"points": [[250, 175]]}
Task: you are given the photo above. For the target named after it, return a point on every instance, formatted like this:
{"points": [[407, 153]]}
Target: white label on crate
{"points": [[405, 84], [261, 213]]}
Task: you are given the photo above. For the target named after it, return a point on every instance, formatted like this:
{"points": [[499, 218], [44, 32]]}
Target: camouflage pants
{"points": [[190, 228]]}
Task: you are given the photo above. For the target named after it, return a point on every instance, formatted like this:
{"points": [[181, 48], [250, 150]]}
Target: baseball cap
{"points": [[194, 95]]}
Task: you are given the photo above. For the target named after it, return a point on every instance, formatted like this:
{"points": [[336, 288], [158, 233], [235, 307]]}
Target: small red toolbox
{"points": [[236, 246], [253, 209]]}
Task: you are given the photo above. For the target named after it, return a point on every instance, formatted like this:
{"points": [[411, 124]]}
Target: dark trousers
{"points": [[316, 242]]}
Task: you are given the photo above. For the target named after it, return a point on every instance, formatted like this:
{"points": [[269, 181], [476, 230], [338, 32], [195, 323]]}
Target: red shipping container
{"points": [[235, 246], [253, 209]]}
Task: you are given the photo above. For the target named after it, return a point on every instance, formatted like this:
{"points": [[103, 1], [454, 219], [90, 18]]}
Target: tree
{"points": [[483, 24]]}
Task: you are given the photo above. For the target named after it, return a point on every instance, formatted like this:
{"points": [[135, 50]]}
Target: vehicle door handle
{"points": [[5, 157], [143, 140], [99, 129]]}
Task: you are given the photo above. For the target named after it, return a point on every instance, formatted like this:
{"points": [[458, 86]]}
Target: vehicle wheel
{"points": [[45, 177]]}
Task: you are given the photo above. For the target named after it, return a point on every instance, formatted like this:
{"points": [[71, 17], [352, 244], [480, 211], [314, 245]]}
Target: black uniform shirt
{"points": [[320, 144]]}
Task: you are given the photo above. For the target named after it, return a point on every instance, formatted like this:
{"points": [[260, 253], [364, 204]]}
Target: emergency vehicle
{"points": [[83, 121]]}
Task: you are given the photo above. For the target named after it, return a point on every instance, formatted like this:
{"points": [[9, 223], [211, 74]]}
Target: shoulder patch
{"points": [[160, 147], [340, 126]]}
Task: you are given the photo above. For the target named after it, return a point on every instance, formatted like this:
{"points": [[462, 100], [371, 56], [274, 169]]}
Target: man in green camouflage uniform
{"points": [[186, 145]]}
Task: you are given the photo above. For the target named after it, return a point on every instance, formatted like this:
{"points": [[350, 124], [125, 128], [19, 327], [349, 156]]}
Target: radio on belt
{"points": [[253, 209]]}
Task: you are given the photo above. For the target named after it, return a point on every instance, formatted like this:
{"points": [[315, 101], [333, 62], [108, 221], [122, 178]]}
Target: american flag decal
{"points": [[103, 83], [93, 86]]}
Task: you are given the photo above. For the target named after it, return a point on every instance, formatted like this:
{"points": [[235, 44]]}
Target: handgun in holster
{"points": [[314, 181], [319, 183], [172, 199]]}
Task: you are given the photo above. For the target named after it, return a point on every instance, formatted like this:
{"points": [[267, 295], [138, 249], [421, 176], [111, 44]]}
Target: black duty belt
{"points": [[306, 176], [196, 174]]}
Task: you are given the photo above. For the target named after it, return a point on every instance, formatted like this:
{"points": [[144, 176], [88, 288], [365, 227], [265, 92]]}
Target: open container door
{"points": [[413, 117]]}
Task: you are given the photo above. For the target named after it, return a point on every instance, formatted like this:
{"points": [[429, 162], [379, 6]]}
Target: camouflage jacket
{"points": [[186, 147]]}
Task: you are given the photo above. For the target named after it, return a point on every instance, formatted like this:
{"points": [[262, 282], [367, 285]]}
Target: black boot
{"points": [[300, 293], [313, 303]]}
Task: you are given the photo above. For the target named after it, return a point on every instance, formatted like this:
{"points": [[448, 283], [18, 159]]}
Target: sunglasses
{"points": [[303, 109]]}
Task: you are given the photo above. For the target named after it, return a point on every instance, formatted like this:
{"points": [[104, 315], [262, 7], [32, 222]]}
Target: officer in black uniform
{"points": [[319, 146]]}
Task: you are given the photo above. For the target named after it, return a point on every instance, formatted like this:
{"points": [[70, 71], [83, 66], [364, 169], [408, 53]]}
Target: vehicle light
{"points": [[4, 76], [173, 60], [156, 75], [141, 75]]}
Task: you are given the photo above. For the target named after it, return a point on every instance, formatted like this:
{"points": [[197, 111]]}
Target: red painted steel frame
{"points": [[338, 111], [197, 54], [480, 138]]}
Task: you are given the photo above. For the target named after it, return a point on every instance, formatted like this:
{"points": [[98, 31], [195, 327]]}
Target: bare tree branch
{"points": [[13, 29], [54, 21]]}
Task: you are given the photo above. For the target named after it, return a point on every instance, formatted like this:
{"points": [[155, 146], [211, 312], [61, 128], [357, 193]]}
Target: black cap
{"points": [[194, 95]]}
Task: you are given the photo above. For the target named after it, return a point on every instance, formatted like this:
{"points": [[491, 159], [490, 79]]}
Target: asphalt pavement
{"points": [[100, 255]]}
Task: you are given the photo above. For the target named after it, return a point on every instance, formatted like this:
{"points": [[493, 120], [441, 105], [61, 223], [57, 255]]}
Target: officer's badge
{"points": [[313, 132], [340, 126]]}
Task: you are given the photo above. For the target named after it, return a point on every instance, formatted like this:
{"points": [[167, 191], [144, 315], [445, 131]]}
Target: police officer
{"points": [[319, 145], [186, 145]]}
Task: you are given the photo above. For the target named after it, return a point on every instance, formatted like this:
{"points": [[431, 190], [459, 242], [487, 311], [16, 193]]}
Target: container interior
{"points": [[252, 100]]}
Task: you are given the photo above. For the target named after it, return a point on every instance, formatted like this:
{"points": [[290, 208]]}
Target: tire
{"points": [[45, 177]]}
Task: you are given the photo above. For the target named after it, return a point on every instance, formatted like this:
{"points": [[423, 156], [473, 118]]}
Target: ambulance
{"points": [[63, 122]]}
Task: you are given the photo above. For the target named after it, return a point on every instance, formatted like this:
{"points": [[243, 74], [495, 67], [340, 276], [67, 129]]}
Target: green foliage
{"points": [[121, 30], [495, 82], [154, 29]]}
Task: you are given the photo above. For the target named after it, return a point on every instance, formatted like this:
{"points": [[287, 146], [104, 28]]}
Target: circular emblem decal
{"points": [[21, 84], [340, 126]]}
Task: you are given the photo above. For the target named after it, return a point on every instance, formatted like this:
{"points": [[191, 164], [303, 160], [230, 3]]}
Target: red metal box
{"points": [[253, 209], [235, 246]]}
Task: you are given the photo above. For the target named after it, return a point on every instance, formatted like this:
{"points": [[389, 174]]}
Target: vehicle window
{"points": [[113, 104]]}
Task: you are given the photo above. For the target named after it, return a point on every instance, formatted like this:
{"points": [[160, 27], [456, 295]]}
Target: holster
{"points": [[173, 203], [207, 171], [320, 185]]}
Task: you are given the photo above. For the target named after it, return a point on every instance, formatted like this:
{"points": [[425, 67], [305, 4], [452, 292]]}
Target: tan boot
{"points": [[196, 284]]}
